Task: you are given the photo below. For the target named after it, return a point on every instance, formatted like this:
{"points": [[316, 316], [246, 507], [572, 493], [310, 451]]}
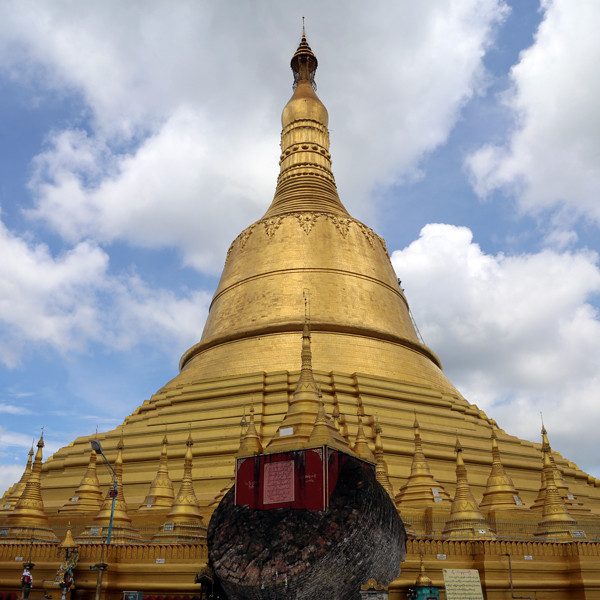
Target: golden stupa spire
{"points": [[298, 423], [380, 465], [556, 522], [306, 180], [122, 531], [250, 439], [88, 496], [9, 500], [500, 492], [28, 519], [361, 445], [466, 520], [335, 415], [324, 433], [160, 495], [184, 521], [572, 503], [421, 489]]}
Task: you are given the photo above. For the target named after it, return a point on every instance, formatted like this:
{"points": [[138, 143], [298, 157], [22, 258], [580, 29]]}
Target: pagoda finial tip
{"points": [[544, 432], [304, 63]]}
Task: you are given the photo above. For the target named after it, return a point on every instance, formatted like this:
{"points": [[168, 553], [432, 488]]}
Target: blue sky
{"points": [[138, 140]]}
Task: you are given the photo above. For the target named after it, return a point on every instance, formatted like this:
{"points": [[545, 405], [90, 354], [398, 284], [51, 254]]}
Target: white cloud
{"points": [[69, 300], [551, 161], [184, 101], [12, 409], [9, 474], [44, 299], [16, 445], [517, 334], [181, 188], [15, 440]]}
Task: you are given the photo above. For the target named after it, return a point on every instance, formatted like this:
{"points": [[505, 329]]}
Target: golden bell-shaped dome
{"points": [[306, 240]]}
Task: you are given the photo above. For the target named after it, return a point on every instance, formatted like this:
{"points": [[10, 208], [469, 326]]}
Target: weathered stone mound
{"points": [[310, 555]]}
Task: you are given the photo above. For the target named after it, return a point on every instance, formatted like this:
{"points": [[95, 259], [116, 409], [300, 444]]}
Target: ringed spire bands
{"points": [[306, 180]]}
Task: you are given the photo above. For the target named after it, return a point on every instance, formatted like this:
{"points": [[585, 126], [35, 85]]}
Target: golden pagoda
{"points": [[184, 521], [88, 496], [421, 488], [364, 349], [361, 445], [12, 495], [359, 348], [250, 440], [113, 513], [500, 492], [161, 494], [574, 504], [556, 522], [381, 468], [28, 519], [466, 520]]}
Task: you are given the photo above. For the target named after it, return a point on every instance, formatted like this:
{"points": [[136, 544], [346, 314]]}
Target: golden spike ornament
{"points": [[160, 495], [28, 520], [297, 425], [421, 488], [381, 470], [500, 492], [361, 445], [88, 496], [466, 520], [250, 442], [556, 522], [184, 522], [10, 498], [122, 530]]}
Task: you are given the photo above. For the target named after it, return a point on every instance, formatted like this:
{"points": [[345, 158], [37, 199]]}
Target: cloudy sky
{"points": [[138, 139]]}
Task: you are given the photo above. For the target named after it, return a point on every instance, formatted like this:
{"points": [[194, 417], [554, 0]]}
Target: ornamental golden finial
{"points": [[304, 63], [306, 182], [423, 580]]}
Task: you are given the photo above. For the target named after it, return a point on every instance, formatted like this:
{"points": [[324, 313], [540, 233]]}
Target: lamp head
{"points": [[96, 447]]}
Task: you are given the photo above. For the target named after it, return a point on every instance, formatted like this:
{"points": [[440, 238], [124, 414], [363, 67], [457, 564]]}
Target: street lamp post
{"points": [[102, 566], [97, 448]]}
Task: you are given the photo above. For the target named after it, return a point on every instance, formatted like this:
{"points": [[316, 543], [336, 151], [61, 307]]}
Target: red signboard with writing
{"points": [[278, 482], [300, 479]]}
